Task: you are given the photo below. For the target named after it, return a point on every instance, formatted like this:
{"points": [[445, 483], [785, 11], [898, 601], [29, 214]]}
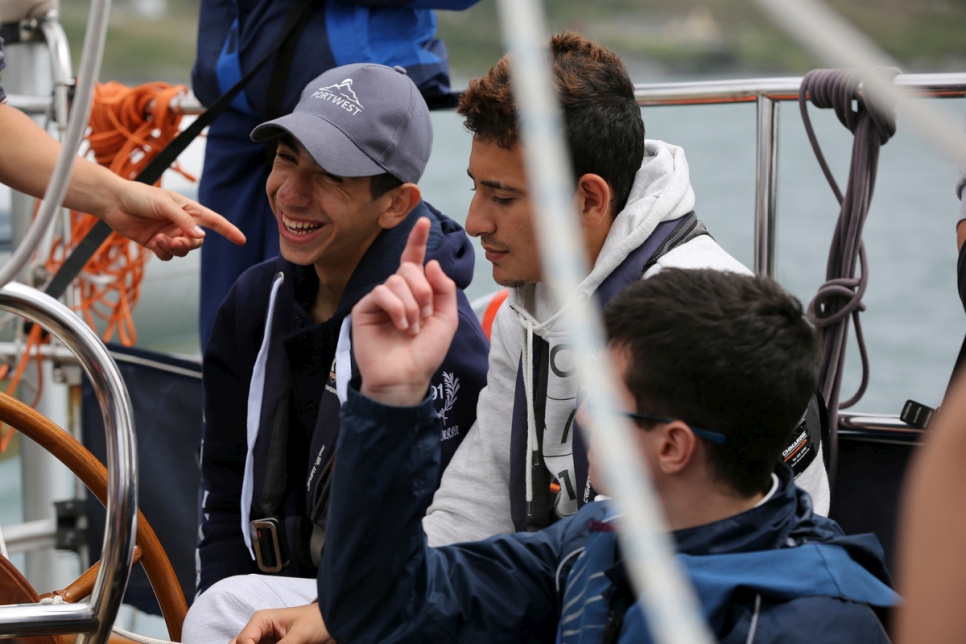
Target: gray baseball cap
{"points": [[360, 120]]}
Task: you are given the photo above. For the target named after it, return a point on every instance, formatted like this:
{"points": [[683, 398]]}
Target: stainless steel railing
{"points": [[767, 93], [96, 617]]}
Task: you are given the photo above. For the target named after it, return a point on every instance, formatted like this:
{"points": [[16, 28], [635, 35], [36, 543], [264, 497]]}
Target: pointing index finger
{"points": [[415, 250], [209, 219]]}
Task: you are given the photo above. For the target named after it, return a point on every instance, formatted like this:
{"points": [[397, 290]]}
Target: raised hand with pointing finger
{"points": [[402, 329]]}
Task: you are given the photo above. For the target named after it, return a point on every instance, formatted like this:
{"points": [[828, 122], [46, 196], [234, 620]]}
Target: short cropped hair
{"points": [[603, 124], [380, 184], [726, 352]]}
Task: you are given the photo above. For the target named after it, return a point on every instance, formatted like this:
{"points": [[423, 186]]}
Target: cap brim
{"points": [[328, 145]]}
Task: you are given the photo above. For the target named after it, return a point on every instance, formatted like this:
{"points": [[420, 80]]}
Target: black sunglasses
{"points": [[715, 437]]}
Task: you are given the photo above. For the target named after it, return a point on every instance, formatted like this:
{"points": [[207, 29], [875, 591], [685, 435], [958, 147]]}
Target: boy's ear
{"points": [[677, 448], [401, 202]]}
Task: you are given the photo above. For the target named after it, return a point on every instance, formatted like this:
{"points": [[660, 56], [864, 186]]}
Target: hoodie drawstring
{"points": [[531, 416], [527, 322], [343, 360]]}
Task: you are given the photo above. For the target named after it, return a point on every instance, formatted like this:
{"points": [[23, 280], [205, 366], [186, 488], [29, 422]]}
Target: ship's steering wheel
{"points": [[115, 486], [88, 469]]}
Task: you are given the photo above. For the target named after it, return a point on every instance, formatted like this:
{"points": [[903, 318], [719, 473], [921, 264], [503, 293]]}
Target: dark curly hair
{"points": [[604, 128]]}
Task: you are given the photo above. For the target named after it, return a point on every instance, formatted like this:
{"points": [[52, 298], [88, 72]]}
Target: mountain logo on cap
{"points": [[341, 95]]}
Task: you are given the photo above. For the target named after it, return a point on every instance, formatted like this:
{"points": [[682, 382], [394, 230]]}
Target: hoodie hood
{"points": [[786, 520], [661, 192]]}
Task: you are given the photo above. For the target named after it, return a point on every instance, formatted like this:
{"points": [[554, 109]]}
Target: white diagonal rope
{"points": [[670, 604]]}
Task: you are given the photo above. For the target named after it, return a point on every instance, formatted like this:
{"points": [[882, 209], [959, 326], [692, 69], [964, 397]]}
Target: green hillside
{"points": [[686, 37]]}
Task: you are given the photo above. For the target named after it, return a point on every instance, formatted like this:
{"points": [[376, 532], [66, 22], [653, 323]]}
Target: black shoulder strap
{"points": [[689, 228], [153, 171]]}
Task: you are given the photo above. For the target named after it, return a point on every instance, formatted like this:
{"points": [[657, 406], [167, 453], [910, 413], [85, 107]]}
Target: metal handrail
{"points": [[878, 428], [778, 89], [767, 92], [97, 617]]}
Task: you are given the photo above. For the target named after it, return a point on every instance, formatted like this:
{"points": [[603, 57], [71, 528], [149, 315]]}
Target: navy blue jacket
{"points": [[776, 570], [298, 421]]}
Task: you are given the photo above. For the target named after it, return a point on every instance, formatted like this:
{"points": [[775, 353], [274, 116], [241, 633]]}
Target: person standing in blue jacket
{"points": [[713, 368], [233, 35], [277, 367]]}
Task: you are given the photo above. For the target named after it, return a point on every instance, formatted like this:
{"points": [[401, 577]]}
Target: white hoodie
{"points": [[473, 499]]}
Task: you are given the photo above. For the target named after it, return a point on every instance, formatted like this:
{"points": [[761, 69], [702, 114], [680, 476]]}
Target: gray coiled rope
{"points": [[873, 124]]}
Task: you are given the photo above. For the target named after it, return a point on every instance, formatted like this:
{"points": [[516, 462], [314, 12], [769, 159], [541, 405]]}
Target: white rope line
{"points": [[670, 603], [135, 637], [753, 629], [55, 599], [143, 639]]}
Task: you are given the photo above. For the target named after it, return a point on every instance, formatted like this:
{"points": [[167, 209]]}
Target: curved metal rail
{"points": [[92, 620]]}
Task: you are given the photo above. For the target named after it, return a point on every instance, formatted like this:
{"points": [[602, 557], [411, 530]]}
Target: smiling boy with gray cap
{"points": [[343, 190]]}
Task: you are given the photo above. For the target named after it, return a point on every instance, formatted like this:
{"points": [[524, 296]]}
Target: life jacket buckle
{"points": [[267, 545]]}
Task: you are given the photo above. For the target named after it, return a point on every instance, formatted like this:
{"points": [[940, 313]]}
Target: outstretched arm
{"points": [[167, 223]]}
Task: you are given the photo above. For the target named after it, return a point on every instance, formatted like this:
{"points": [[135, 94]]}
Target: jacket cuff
{"points": [[357, 403]]}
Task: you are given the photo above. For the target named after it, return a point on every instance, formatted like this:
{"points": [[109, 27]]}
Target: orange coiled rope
{"points": [[128, 127]]}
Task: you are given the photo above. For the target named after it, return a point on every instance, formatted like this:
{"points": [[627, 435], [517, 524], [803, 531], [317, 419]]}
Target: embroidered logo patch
{"points": [[341, 95], [330, 382], [444, 395]]}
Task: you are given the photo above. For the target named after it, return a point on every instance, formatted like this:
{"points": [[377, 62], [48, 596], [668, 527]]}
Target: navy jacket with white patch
{"points": [[291, 420]]}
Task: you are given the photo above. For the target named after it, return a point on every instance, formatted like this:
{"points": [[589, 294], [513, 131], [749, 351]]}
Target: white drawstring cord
{"points": [[527, 367], [526, 320]]}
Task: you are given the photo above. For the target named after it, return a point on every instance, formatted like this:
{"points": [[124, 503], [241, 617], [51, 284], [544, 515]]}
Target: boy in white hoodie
{"points": [[636, 210]]}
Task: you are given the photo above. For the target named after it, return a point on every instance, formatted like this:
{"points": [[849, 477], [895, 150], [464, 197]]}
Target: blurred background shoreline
{"points": [[155, 39]]}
